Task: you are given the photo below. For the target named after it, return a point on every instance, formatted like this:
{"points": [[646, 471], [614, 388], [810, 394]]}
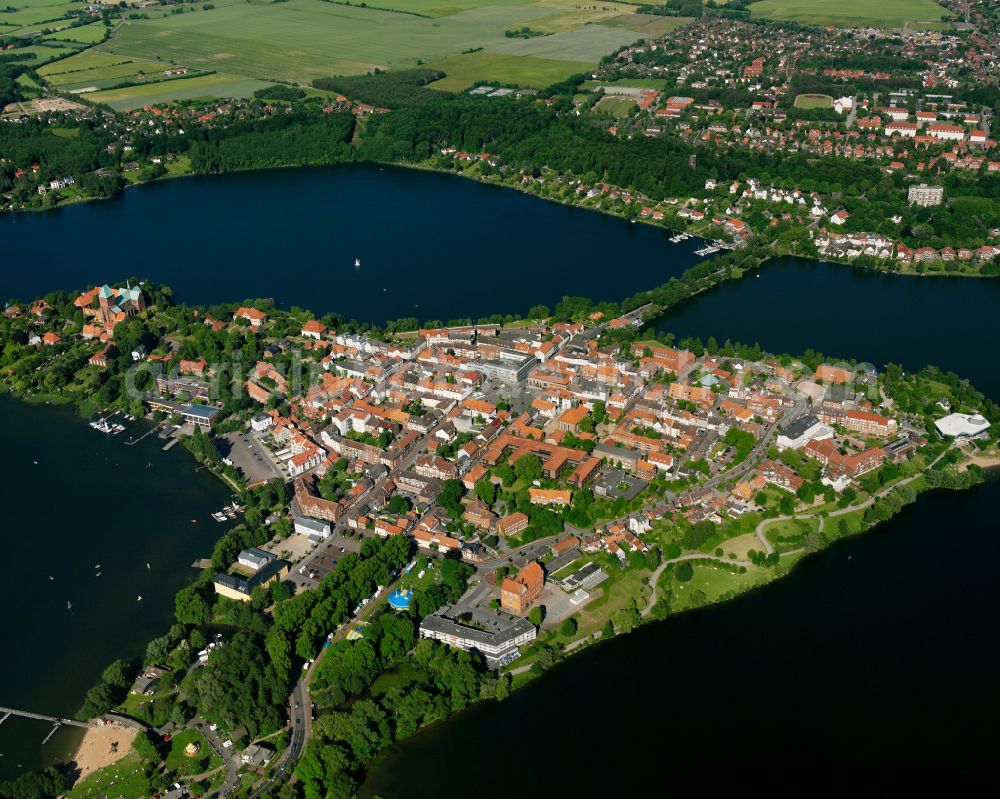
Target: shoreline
{"points": [[101, 747], [424, 167]]}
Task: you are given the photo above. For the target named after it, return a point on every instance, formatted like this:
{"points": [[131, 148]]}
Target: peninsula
{"points": [[433, 516]]}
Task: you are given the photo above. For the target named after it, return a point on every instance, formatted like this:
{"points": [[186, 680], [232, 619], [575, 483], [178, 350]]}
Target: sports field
{"points": [[810, 101], [620, 107], [884, 14]]}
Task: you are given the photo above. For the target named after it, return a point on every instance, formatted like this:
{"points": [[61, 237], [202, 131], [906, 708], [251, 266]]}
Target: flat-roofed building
{"points": [[496, 636], [925, 195]]}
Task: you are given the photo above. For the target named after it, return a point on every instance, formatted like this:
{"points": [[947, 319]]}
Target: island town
{"points": [[422, 515], [481, 499]]}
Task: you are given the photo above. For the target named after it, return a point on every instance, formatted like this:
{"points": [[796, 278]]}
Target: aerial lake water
{"points": [[882, 647], [83, 515], [431, 246]]}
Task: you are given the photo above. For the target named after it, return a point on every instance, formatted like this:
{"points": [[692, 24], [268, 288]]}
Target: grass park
{"points": [[886, 14], [810, 101]]}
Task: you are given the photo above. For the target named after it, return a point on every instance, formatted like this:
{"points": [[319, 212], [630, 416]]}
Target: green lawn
{"points": [[788, 533], [619, 589], [465, 70], [714, 582], [180, 765], [124, 779], [887, 13]]}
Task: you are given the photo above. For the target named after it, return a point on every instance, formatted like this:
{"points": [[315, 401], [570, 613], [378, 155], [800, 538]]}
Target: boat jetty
{"points": [[109, 424], [230, 511]]}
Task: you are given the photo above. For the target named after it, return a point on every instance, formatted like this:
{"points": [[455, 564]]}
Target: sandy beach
{"points": [[102, 746]]}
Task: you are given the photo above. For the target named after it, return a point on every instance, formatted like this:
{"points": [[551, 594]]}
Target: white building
{"points": [[962, 425], [261, 422], [314, 528], [802, 431]]}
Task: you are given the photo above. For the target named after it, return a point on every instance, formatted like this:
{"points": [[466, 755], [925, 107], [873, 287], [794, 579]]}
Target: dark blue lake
{"points": [[430, 245]]}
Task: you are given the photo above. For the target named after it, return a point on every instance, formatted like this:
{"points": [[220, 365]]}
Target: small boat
{"points": [[98, 574], [69, 606], [35, 462], [138, 599], [97, 565], [357, 263], [51, 577], [148, 566]]}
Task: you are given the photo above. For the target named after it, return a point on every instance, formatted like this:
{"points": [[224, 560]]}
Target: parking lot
{"points": [[252, 458], [322, 560]]}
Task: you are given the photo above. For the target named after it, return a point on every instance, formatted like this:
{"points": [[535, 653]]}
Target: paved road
{"points": [[768, 548], [229, 760], [301, 722]]}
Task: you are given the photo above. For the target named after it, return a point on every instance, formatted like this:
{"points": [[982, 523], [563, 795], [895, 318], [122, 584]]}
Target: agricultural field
{"points": [[214, 85], [34, 15], [41, 53], [465, 70], [589, 43], [885, 14], [650, 25], [92, 70], [440, 8], [301, 40], [85, 34], [810, 101]]}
